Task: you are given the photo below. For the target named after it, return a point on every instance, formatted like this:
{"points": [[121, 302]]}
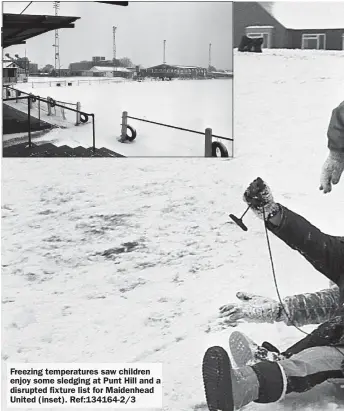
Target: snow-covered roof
{"points": [[12, 65], [309, 15], [188, 67], [177, 66], [100, 68], [122, 69]]}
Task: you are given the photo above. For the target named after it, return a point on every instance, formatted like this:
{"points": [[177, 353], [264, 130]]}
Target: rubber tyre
{"points": [[52, 102], [83, 118], [217, 145], [133, 134]]}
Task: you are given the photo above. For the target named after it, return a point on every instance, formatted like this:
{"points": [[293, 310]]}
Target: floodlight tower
{"points": [[209, 65], [164, 58], [114, 43], [56, 5]]}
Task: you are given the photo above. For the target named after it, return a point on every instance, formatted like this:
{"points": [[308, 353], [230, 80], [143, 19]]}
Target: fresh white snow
{"points": [[69, 297], [191, 104]]}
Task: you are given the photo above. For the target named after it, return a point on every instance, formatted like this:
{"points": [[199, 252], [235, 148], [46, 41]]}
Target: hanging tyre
{"points": [[33, 98], [51, 102], [83, 118], [133, 133], [218, 148]]}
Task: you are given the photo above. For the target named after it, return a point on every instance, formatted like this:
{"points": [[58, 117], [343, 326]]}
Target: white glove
{"points": [[253, 308], [331, 170]]}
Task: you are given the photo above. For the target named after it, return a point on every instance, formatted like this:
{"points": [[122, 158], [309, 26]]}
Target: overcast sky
{"points": [[187, 27]]}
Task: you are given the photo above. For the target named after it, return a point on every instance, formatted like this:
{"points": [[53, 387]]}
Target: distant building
{"points": [[100, 71], [80, 66], [125, 72], [174, 71], [12, 72], [220, 74], [33, 68], [97, 59], [9, 72], [254, 20]]}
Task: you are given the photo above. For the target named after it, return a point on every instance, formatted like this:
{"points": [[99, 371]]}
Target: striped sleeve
{"points": [[310, 308]]}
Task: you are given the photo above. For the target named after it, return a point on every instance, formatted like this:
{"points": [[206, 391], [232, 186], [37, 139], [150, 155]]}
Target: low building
{"points": [[99, 71], [279, 30], [9, 73], [220, 74], [12, 72], [77, 68], [174, 71], [80, 66], [124, 72]]}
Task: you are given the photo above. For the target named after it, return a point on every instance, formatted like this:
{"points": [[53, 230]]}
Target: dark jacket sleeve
{"points": [[335, 132], [310, 308], [323, 251]]}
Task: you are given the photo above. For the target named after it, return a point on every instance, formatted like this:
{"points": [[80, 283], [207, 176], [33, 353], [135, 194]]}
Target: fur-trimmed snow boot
{"points": [[229, 389], [246, 352]]}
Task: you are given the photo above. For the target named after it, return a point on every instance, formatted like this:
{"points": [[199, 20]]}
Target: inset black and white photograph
{"points": [[117, 79]]}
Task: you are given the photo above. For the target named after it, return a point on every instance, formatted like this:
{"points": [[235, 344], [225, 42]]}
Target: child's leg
{"points": [[312, 367], [230, 389]]}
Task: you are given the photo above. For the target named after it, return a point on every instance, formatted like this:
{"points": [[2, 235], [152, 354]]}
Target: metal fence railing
{"points": [[211, 148], [70, 82], [81, 116]]}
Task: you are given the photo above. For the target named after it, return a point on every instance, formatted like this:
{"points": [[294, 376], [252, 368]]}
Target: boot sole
{"points": [[240, 348], [216, 370]]}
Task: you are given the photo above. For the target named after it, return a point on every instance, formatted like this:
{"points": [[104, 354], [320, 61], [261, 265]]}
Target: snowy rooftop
{"points": [[309, 15], [101, 68], [177, 66]]}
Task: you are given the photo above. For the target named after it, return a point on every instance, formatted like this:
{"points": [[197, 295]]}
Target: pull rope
{"points": [[275, 280], [277, 290]]}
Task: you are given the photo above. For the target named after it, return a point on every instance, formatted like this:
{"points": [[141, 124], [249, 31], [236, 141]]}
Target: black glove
{"points": [[259, 196]]}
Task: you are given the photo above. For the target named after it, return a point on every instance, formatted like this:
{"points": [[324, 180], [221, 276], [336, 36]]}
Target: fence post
{"points": [[29, 120], [78, 107], [208, 142], [49, 106], [94, 133], [124, 125]]}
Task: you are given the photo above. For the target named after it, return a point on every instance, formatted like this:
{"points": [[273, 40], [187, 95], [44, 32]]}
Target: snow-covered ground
{"points": [[192, 104], [70, 295]]}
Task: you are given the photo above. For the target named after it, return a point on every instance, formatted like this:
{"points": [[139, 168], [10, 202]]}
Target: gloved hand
{"points": [[331, 170], [259, 196], [254, 308]]}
